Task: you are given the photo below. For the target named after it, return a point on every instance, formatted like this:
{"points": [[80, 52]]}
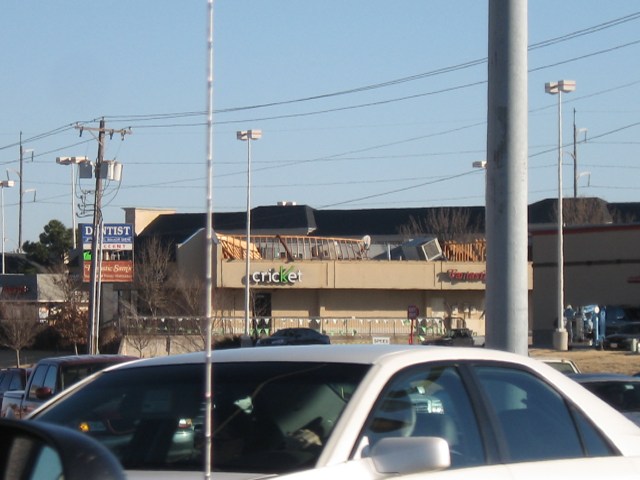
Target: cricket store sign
{"points": [[277, 276]]}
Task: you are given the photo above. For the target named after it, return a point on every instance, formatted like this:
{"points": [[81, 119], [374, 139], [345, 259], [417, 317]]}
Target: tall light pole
{"points": [[560, 336], [4, 184], [73, 161], [22, 191], [248, 136]]}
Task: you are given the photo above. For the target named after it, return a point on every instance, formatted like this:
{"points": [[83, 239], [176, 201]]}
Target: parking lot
{"points": [[594, 361]]}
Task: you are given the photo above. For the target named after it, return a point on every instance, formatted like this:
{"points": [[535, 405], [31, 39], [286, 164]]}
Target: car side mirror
{"points": [[404, 455], [44, 393], [32, 450]]}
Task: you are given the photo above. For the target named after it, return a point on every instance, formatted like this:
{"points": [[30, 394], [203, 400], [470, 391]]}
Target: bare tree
{"points": [[152, 272], [71, 318], [445, 223], [19, 326], [187, 296], [140, 332], [583, 211]]}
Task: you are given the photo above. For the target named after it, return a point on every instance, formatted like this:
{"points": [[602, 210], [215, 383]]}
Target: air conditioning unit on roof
{"points": [[425, 248]]}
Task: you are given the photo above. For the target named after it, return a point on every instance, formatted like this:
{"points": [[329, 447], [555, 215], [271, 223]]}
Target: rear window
{"points": [[269, 417], [73, 373]]}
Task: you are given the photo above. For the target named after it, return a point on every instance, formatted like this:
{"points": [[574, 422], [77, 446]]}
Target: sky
{"points": [[363, 104]]}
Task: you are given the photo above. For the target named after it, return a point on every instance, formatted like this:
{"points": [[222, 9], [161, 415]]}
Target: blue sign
{"points": [[115, 236]]}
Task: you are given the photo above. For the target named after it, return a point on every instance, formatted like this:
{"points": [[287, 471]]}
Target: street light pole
{"points": [[3, 184], [73, 161], [560, 337], [248, 136], [22, 191]]}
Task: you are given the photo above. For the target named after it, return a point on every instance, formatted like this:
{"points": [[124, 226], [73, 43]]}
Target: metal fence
{"points": [[264, 326], [292, 247]]}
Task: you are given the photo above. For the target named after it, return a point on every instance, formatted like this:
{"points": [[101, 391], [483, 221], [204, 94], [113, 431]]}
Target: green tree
{"points": [[53, 248]]}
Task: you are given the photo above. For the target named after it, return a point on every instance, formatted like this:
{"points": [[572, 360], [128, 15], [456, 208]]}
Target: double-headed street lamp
{"points": [[4, 184], [560, 337], [248, 136]]}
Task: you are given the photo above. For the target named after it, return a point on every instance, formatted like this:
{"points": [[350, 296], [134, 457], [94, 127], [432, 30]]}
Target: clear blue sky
{"points": [[400, 118]]}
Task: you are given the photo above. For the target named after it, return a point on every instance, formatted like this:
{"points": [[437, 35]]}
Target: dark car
{"points": [[622, 392], [456, 337], [623, 338], [295, 336]]}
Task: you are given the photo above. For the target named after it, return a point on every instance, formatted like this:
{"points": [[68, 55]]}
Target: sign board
{"points": [[117, 252], [381, 340], [412, 312], [115, 236], [111, 271]]}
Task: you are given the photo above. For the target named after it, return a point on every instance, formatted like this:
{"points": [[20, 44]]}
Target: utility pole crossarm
{"points": [[108, 131]]}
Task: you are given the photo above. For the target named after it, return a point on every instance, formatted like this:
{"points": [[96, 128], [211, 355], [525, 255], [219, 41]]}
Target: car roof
{"points": [[339, 353], [82, 359], [603, 377]]}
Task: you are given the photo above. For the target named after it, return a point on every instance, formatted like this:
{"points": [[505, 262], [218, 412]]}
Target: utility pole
{"points": [[94, 291], [575, 156], [96, 251]]}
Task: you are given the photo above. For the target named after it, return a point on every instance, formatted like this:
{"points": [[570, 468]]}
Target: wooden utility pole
{"points": [[96, 250]]}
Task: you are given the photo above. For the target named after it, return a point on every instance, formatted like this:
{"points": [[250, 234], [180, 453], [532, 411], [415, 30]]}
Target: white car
{"points": [[360, 411]]}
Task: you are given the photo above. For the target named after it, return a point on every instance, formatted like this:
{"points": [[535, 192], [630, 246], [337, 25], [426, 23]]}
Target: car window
{"points": [[51, 378], [4, 381], [428, 401], [38, 380], [534, 419], [16, 382], [595, 444], [271, 417]]}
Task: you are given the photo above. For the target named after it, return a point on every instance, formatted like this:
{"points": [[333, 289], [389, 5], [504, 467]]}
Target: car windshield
{"points": [[623, 396], [271, 417]]}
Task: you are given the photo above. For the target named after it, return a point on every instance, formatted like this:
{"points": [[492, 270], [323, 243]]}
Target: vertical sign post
{"points": [[412, 315]]}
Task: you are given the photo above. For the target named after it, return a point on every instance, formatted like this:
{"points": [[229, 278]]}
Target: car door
{"points": [[427, 400], [532, 421]]}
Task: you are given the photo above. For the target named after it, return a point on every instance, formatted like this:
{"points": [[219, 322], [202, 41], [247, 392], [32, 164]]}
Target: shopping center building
{"points": [[344, 272], [354, 272]]}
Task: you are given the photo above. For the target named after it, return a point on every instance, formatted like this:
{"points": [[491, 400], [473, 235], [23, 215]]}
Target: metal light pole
{"points": [[73, 161], [22, 191], [4, 184], [506, 305], [248, 136], [560, 336]]}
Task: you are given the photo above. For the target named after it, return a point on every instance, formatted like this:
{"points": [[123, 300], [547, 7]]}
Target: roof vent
{"points": [[286, 203]]}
